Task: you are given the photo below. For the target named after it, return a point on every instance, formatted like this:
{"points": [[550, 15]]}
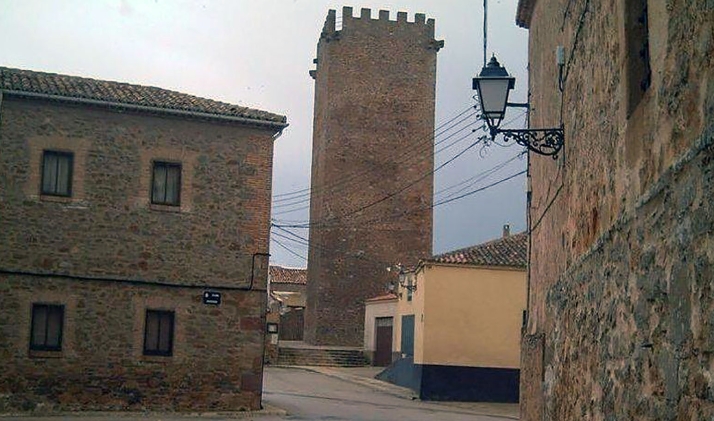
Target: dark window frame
{"points": [[59, 154], [44, 346], [167, 165], [158, 351]]}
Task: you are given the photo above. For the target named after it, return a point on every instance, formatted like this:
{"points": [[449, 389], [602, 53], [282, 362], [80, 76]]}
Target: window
{"points": [[159, 332], [46, 330], [166, 184], [639, 72], [57, 173]]}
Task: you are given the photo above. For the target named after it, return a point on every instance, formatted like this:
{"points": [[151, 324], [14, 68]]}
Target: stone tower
{"points": [[372, 155]]}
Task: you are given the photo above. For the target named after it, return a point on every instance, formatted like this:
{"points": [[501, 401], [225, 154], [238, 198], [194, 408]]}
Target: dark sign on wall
{"points": [[211, 297]]}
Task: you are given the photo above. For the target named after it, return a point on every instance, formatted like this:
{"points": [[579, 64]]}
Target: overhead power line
{"points": [[415, 150]]}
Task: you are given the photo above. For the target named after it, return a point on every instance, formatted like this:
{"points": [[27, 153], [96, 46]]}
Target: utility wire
{"points": [[411, 152], [400, 190], [316, 245], [286, 248], [471, 181], [307, 200], [402, 214], [481, 139]]}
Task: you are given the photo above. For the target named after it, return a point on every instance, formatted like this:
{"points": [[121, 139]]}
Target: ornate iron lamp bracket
{"points": [[546, 142]]}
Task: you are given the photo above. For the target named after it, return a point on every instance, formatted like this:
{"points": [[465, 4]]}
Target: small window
{"points": [[159, 332], [46, 331], [166, 184], [57, 173], [639, 71]]}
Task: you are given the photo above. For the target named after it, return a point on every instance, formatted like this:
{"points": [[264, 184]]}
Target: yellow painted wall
{"points": [[472, 316]]}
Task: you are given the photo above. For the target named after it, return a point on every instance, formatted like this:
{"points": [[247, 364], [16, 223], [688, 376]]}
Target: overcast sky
{"points": [[258, 53]]}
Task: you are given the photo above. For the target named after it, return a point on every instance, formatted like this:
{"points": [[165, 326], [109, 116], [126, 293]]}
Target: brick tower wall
{"points": [[373, 135]]}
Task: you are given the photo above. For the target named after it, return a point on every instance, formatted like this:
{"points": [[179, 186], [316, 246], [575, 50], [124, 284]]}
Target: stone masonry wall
{"points": [[621, 242], [373, 135], [109, 228], [631, 323], [216, 362], [107, 255]]}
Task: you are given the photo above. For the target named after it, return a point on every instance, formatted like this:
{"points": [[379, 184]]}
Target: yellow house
{"points": [[458, 323]]}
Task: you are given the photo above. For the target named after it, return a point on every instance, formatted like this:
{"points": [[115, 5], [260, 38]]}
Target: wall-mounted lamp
{"points": [[405, 280], [493, 85]]}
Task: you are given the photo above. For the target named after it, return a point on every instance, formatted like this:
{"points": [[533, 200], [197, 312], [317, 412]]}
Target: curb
{"points": [[268, 410]]}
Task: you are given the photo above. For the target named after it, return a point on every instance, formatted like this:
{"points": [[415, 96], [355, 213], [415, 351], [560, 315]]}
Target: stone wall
{"points": [[373, 135], [216, 362], [110, 229], [107, 255], [621, 242], [635, 313]]}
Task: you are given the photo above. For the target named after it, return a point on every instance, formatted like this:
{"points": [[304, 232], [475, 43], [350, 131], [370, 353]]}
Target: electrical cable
{"points": [[318, 194], [414, 151], [401, 189], [286, 248]]}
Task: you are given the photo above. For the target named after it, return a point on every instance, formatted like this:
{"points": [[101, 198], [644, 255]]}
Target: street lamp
{"points": [[493, 85], [405, 279]]}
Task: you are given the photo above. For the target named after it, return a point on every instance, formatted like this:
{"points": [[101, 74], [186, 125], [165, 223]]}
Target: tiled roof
{"points": [[506, 251], [281, 275], [385, 297], [118, 93]]}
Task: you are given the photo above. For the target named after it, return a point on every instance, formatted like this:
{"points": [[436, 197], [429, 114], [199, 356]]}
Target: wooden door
{"points": [[291, 324], [383, 345]]}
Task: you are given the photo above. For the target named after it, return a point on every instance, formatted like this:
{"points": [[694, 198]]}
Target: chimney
{"points": [[506, 230]]}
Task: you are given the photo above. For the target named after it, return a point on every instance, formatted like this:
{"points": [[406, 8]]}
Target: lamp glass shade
{"points": [[493, 94]]}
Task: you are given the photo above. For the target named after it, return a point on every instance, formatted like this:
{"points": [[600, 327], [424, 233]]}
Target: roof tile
{"points": [[123, 93], [506, 251], [282, 275]]}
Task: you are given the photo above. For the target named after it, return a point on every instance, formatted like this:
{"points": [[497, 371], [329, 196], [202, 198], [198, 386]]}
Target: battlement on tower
{"points": [[334, 23]]}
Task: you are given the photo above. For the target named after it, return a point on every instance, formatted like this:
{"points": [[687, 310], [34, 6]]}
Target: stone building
{"points": [[620, 316], [121, 207], [288, 287], [372, 137]]}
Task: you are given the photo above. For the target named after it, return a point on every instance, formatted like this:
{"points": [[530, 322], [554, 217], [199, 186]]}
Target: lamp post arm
{"points": [[518, 104], [541, 141]]}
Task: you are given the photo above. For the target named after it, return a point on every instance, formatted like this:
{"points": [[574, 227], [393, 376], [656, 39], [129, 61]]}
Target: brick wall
{"points": [[374, 103], [107, 244], [619, 284]]}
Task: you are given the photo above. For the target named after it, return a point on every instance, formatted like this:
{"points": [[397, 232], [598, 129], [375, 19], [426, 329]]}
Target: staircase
{"points": [[298, 353]]}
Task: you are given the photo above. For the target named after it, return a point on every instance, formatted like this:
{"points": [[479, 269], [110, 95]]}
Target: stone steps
{"points": [[323, 357]]}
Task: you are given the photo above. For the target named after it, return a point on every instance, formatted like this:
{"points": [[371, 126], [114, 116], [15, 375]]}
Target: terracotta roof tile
{"points": [[123, 93], [506, 251], [281, 275], [385, 297]]}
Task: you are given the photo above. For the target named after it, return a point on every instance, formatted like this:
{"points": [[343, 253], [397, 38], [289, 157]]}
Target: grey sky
{"points": [[258, 53]]}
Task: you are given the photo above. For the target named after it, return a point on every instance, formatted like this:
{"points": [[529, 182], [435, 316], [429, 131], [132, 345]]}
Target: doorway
{"points": [[383, 342]]}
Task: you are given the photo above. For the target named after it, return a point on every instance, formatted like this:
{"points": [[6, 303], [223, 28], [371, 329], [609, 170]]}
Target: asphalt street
{"points": [[307, 395]]}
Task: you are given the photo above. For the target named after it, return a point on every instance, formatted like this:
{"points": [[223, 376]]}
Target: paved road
{"points": [[307, 395]]}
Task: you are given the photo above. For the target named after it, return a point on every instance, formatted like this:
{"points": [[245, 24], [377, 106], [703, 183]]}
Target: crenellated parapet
{"points": [[382, 26], [334, 24]]}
